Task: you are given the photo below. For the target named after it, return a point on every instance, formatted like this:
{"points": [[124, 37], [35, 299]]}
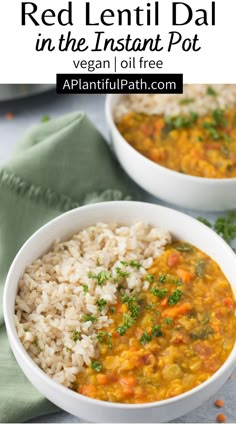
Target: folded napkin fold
{"points": [[59, 165]]}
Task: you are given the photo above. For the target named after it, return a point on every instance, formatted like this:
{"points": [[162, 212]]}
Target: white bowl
{"points": [[182, 227], [180, 189]]}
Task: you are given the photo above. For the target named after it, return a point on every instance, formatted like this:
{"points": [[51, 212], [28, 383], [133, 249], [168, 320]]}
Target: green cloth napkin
{"points": [[59, 165]]}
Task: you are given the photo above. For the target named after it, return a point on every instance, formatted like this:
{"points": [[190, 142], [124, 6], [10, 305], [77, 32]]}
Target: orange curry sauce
{"points": [[168, 339], [190, 144]]}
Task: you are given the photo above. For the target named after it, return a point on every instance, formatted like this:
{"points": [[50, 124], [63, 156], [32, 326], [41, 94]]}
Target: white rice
{"points": [[170, 104], [51, 301]]}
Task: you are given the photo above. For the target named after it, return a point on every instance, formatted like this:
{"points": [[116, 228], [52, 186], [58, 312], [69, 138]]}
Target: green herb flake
{"points": [[95, 365], [135, 264], [204, 221], [89, 318], [101, 277], [162, 278], [124, 263], [226, 226], [149, 277], [211, 91], [128, 321], [85, 288], [168, 320], [156, 331], [109, 337], [101, 304], [25, 330], [175, 297], [160, 293], [122, 273], [112, 309], [100, 336], [145, 338], [76, 336], [68, 349], [186, 101]]}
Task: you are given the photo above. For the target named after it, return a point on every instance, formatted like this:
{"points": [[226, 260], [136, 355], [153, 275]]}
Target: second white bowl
{"points": [[180, 189]]}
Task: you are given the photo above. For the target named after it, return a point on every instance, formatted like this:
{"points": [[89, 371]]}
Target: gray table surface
{"points": [[29, 111]]}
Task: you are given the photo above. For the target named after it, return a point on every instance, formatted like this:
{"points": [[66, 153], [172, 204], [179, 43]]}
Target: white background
{"points": [[20, 63]]}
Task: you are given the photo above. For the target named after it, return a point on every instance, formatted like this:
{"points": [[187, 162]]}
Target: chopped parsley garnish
{"points": [[112, 309], [162, 278], [109, 343], [182, 121], [156, 330], [133, 306], [128, 321], [101, 304], [160, 293], [122, 273], [210, 127], [95, 365], [135, 263], [204, 221], [68, 349], [89, 318], [186, 101], [134, 310], [98, 262], [124, 263], [85, 288], [168, 320], [100, 336], [76, 336], [225, 226], [126, 299], [149, 277], [105, 338], [175, 297], [101, 277], [148, 307], [211, 91], [145, 338]]}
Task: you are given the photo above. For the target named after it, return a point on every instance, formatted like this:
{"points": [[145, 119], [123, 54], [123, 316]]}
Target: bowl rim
{"points": [[43, 377], [147, 161]]}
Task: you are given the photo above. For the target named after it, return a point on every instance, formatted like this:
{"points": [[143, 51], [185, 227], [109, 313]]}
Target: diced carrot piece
{"points": [[173, 259], [129, 381], [229, 302], [102, 379], [184, 275], [177, 310], [87, 389], [164, 302], [158, 125]]}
